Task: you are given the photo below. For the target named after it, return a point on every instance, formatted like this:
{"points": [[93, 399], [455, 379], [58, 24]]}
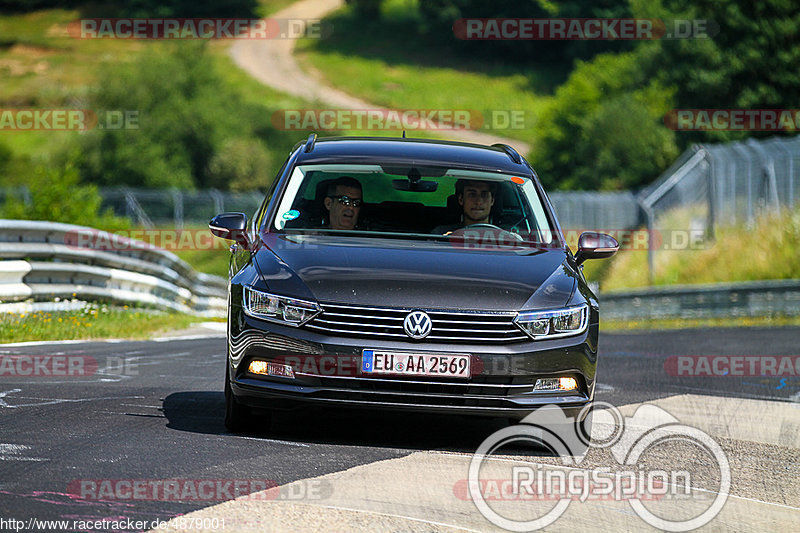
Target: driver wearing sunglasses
{"points": [[343, 203]]}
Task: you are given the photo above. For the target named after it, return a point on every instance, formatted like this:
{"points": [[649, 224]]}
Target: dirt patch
{"points": [[16, 67], [31, 51]]}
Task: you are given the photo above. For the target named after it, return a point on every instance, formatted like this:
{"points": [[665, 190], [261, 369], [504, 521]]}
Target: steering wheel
{"points": [[484, 225], [490, 227]]}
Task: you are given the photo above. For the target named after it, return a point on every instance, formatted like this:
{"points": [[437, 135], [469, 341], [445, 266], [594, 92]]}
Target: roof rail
{"points": [[513, 154], [310, 142]]}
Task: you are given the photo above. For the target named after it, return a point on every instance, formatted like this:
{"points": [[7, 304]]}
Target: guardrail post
{"points": [[132, 206], [712, 195], [790, 171], [651, 224], [177, 208], [750, 215], [219, 200]]}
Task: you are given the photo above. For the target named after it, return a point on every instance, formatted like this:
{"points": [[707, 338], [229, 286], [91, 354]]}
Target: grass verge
{"points": [[92, 322], [41, 66], [614, 326], [770, 249], [211, 261], [388, 64]]}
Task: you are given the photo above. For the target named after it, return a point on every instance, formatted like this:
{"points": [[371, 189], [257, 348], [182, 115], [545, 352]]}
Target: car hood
{"points": [[412, 274]]}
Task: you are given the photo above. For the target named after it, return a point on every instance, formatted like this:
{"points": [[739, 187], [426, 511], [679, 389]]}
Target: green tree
{"points": [[186, 116], [438, 17], [750, 59], [366, 8], [141, 8], [604, 129], [56, 194]]}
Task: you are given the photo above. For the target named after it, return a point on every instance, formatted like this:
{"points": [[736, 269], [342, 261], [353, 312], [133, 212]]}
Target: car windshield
{"points": [[414, 202]]}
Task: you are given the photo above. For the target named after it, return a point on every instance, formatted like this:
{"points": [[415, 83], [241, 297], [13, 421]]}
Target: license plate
{"points": [[415, 364]]}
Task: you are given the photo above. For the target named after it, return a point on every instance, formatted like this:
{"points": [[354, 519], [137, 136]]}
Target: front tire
{"points": [[237, 416]]}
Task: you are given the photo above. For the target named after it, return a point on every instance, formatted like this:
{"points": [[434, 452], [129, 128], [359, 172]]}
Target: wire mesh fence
{"points": [[729, 184], [596, 211], [708, 186], [716, 185], [149, 207]]}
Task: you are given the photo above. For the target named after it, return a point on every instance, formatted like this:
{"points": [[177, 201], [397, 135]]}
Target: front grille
{"points": [[423, 388], [467, 327]]}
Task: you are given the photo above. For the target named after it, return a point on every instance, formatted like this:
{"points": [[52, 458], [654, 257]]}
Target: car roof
{"points": [[423, 152]]}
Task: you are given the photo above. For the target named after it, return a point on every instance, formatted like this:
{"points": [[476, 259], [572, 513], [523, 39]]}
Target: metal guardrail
{"points": [[720, 300], [40, 261]]}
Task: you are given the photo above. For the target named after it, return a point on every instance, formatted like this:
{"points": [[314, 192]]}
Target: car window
{"points": [[411, 203]]}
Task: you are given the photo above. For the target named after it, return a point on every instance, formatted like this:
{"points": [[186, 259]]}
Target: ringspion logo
{"points": [[633, 479]]}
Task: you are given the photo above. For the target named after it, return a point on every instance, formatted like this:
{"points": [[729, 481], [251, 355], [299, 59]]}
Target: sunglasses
{"points": [[347, 201]]}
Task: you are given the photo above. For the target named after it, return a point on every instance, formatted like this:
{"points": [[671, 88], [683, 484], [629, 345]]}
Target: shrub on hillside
{"points": [[141, 8], [605, 128], [56, 194], [188, 116]]}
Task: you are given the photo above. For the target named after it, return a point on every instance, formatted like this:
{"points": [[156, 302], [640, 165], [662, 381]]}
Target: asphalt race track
{"points": [[152, 411]]}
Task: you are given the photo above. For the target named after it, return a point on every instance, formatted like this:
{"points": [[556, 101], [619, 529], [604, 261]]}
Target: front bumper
{"points": [[328, 373]]}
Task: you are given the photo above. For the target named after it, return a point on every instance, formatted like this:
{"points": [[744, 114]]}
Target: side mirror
{"points": [[230, 226], [593, 245]]}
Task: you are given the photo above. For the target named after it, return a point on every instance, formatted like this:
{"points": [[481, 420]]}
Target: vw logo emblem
{"points": [[417, 324]]}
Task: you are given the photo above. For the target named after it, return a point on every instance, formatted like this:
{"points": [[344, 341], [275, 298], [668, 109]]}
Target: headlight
{"points": [[289, 311], [553, 324]]}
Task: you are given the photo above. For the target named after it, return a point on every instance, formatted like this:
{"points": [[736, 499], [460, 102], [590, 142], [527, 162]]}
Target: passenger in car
{"points": [[343, 203], [476, 199]]}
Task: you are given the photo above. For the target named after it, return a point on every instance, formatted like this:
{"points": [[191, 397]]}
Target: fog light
{"points": [[258, 367], [555, 384], [270, 369], [567, 384]]}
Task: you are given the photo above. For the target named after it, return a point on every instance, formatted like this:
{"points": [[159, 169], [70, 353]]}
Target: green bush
{"points": [[605, 128], [189, 118], [366, 8], [56, 194], [188, 8], [141, 8], [438, 16], [749, 60], [239, 164]]}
